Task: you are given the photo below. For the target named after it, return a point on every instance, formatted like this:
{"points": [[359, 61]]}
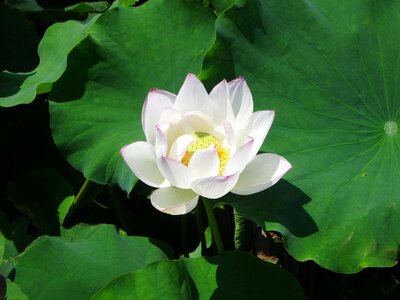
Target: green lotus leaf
{"points": [[78, 264], [96, 105], [232, 275], [222, 5], [332, 74], [14, 292], [13, 240], [56, 44], [87, 7]]}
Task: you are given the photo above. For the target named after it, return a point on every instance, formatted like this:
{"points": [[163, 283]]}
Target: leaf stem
{"points": [[184, 233], [118, 210], [201, 227], [77, 200], [213, 225], [243, 232]]}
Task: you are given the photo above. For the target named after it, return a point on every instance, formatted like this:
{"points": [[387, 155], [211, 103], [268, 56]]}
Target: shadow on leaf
{"points": [[242, 276], [282, 204]]}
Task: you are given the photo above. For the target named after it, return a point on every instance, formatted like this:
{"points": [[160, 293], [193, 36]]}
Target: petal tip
{"points": [[191, 76], [121, 151]]}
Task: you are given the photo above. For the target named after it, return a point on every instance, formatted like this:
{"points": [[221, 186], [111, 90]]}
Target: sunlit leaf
{"points": [[96, 106], [14, 292], [331, 72], [77, 265], [64, 207]]}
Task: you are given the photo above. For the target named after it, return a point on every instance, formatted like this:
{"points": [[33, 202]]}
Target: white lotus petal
{"points": [[156, 101], [215, 187], [221, 105], [241, 100], [170, 115], [230, 136], [192, 96], [258, 126], [171, 124], [204, 163], [170, 133], [179, 147], [261, 173], [174, 201], [161, 143], [174, 171], [197, 121], [141, 159], [239, 160]]}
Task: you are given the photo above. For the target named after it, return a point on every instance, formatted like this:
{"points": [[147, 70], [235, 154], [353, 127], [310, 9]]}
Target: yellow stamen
{"points": [[203, 141]]}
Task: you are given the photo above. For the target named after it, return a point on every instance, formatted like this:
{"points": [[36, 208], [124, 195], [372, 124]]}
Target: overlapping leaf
{"points": [[97, 104], [233, 275], [53, 50], [81, 262], [332, 74]]}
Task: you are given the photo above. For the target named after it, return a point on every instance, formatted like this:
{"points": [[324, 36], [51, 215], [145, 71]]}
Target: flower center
{"points": [[390, 128], [204, 141]]}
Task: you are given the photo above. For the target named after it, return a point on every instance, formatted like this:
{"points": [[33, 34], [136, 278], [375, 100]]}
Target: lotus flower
{"points": [[200, 144]]}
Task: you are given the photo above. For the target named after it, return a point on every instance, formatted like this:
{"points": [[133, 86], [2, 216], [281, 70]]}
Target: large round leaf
{"points": [[129, 51], [332, 74], [81, 262], [14, 292], [232, 275]]}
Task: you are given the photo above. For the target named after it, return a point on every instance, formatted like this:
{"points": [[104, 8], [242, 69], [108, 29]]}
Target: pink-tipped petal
{"points": [[241, 100], [262, 172], [156, 101], [174, 171], [141, 159], [215, 187], [204, 163], [258, 126], [239, 160], [192, 96], [174, 201], [221, 105]]}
